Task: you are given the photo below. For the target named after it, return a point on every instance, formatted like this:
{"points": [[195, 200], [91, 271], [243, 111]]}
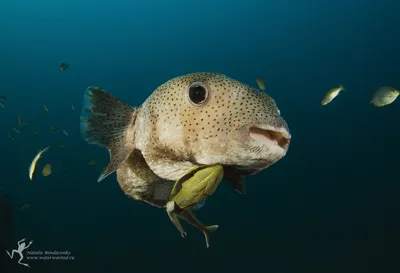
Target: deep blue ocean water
{"points": [[331, 205]]}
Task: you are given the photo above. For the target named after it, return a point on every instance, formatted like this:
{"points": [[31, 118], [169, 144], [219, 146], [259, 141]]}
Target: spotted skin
{"points": [[170, 134], [174, 135]]}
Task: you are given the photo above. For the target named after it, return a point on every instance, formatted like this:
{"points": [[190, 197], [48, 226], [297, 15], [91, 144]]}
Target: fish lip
{"points": [[270, 135]]}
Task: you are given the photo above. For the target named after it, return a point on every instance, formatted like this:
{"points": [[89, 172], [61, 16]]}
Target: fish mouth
{"points": [[278, 137]]}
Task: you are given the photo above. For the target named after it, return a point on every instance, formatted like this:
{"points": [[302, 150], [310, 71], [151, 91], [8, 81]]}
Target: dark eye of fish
{"points": [[197, 93]]}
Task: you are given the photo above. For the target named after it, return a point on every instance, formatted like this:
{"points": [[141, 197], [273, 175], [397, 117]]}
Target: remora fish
{"points": [[190, 191], [199, 119]]}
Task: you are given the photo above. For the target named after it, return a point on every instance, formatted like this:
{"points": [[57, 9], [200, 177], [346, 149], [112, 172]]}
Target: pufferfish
{"points": [[192, 131]]}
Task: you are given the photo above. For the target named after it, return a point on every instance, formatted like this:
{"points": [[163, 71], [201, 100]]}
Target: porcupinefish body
{"points": [[199, 119]]}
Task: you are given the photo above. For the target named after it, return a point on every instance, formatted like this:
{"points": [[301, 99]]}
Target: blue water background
{"points": [[331, 205]]}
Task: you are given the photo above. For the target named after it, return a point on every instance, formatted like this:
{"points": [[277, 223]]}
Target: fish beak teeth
{"points": [[269, 137]]}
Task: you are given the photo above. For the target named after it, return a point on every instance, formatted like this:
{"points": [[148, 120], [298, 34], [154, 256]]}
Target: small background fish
{"points": [[46, 171], [261, 83], [331, 95], [384, 96], [91, 162], [26, 206]]}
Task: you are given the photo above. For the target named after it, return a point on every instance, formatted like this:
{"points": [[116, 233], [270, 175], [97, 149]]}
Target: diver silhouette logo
{"points": [[21, 247]]}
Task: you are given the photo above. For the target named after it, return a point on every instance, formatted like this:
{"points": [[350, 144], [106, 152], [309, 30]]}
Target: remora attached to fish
{"points": [[190, 191], [199, 119]]}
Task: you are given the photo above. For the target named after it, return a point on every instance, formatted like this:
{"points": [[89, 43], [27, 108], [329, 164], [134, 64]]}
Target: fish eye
{"points": [[197, 93]]}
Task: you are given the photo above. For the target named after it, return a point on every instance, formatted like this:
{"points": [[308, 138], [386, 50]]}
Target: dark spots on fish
{"points": [[230, 106]]}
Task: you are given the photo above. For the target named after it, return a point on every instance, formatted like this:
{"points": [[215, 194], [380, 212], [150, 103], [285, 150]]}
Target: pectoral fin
{"points": [[235, 180]]}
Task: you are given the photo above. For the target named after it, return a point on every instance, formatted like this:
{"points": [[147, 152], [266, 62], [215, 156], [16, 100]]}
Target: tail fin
{"points": [[108, 122], [210, 229], [341, 87]]}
